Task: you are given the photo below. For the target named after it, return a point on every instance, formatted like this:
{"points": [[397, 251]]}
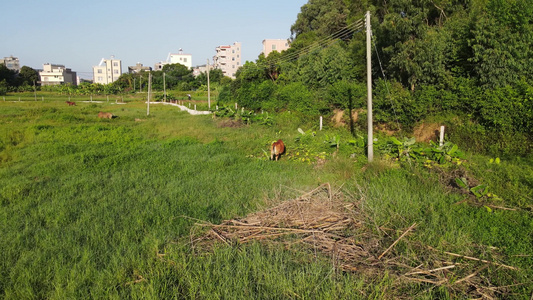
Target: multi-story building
{"points": [[138, 68], [57, 74], [228, 59], [11, 63], [175, 58], [181, 58], [107, 71], [270, 45]]}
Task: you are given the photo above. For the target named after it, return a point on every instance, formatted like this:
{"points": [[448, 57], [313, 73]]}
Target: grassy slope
{"points": [[86, 205]]}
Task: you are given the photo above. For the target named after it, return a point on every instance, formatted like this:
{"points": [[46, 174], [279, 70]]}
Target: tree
{"points": [[27, 76]]}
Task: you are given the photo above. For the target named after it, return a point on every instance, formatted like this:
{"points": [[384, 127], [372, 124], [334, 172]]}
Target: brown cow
{"points": [[71, 103], [105, 115], [276, 149]]}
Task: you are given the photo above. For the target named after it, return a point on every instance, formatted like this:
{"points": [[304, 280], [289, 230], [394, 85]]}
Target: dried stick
{"points": [[220, 236], [395, 242], [430, 271], [476, 259], [264, 228], [472, 275]]}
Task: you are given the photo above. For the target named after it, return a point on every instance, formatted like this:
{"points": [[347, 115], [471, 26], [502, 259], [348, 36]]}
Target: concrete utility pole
{"points": [[149, 91], [369, 87], [208, 89]]}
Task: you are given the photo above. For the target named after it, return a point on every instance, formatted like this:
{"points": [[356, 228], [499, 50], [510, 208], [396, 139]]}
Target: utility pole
{"points": [[133, 84], [164, 89], [208, 89], [369, 87], [140, 83], [149, 91]]}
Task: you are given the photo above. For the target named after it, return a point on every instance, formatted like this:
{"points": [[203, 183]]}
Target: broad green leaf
{"points": [[461, 182], [395, 141]]}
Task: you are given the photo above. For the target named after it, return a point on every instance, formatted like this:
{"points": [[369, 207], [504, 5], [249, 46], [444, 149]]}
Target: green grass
{"points": [[87, 206]]}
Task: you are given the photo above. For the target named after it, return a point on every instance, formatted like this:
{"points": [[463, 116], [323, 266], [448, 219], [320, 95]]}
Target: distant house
{"points": [[107, 71], [228, 59], [11, 63], [270, 45], [175, 58], [57, 74], [201, 69], [138, 68]]}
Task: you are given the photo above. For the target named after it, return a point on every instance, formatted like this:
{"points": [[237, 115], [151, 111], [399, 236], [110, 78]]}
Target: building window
{"points": [[273, 47], [115, 64], [233, 58], [100, 78], [237, 63], [99, 71], [185, 59], [115, 71], [232, 51]]}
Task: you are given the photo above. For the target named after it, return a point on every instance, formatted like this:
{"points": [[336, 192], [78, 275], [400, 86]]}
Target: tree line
{"points": [[465, 63]]}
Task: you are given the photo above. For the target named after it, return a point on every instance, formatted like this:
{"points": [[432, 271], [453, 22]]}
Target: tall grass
{"points": [[94, 208]]}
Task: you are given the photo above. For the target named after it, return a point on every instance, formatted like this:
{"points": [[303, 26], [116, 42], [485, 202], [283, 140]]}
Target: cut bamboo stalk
{"points": [[395, 242]]}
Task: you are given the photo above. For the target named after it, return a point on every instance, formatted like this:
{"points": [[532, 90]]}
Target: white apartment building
{"points": [[181, 58], [228, 59], [107, 71], [270, 45], [57, 74], [175, 58], [11, 63]]}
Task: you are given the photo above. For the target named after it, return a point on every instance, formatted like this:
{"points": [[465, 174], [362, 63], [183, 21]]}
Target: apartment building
{"points": [[107, 71], [270, 45], [11, 63], [57, 74], [228, 59]]}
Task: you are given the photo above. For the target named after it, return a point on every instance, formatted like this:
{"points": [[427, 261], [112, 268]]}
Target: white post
{"points": [[195, 107], [4, 98], [320, 122], [19, 99], [91, 98], [149, 90], [369, 87], [42, 98], [208, 89], [235, 105], [164, 88], [441, 141]]}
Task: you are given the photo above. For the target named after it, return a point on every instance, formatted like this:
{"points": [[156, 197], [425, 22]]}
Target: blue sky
{"points": [[78, 34]]}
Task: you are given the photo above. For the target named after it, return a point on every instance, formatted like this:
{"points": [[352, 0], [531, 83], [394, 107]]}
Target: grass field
{"points": [[93, 208]]}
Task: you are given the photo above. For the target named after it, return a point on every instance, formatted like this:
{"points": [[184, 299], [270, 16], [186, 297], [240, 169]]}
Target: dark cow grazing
{"points": [[105, 115], [276, 149], [70, 103]]}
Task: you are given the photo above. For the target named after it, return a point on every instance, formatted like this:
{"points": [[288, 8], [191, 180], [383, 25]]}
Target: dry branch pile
{"points": [[324, 222]]}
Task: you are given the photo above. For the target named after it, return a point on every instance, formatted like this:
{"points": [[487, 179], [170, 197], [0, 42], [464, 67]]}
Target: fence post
{"points": [[320, 122]]}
